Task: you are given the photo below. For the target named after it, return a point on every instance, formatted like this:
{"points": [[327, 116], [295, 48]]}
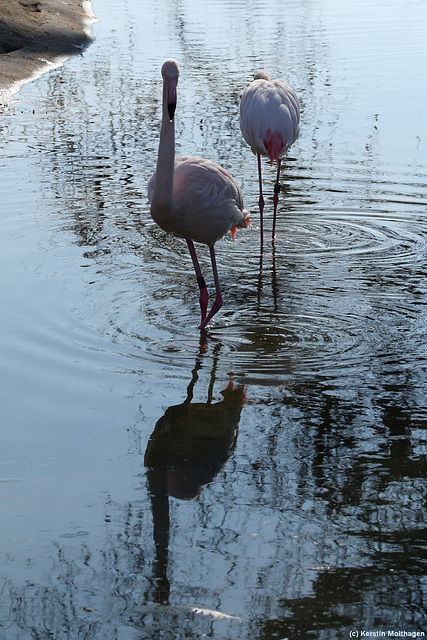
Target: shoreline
{"points": [[37, 36]]}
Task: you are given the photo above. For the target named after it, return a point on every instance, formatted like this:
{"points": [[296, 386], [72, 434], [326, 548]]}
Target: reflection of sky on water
{"points": [[312, 522]]}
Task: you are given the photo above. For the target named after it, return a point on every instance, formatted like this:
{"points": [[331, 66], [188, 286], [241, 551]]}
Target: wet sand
{"points": [[37, 36]]}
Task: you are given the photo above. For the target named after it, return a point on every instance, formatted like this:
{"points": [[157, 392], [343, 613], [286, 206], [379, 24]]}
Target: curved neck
{"points": [[162, 197]]}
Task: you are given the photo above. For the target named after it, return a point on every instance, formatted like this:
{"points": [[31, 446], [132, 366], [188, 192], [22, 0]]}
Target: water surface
{"points": [[267, 481]]}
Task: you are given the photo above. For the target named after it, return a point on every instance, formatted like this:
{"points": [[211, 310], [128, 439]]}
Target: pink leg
{"points": [[218, 300], [204, 295], [261, 202], [276, 200]]}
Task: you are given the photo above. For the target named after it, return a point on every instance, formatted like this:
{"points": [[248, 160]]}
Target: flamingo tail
{"points": [[274, 145]]}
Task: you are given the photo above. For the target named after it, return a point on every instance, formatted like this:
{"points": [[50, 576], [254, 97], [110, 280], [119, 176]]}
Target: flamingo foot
{"points": [[204, 297], [215, 308], [218, 299]]}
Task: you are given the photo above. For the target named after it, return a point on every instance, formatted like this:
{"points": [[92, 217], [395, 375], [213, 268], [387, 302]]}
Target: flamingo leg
{"points": [[204, 294], [260, 203], [218, 299], [276, 200]]}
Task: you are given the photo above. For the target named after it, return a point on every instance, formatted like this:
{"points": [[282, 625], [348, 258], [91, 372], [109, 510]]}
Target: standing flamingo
{"points": [[269, 121], [191, 197]]}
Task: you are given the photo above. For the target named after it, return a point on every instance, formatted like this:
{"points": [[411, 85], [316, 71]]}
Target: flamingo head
{"points": [[170, 74], [262, 75]]}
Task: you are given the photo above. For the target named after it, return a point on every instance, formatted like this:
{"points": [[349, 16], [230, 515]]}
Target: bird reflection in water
{"points": [[190, 444]]}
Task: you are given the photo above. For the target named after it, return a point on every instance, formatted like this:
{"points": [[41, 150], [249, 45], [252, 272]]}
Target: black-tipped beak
{"points": [[171, 84], [171, 109]]}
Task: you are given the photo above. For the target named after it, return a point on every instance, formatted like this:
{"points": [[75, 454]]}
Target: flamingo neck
{"points": [[162, 199]]}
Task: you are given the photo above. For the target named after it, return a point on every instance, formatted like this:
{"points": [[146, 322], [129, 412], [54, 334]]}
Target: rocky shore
{"points": [[37, 36]]}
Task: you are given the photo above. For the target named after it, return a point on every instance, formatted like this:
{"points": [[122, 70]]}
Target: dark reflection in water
{"points": [[341, 598], [319, 521], [361, 463], [190, 444]]}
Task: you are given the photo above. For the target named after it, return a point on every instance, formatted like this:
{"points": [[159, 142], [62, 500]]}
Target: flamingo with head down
{"points": [[192, 197], [269, 121]]}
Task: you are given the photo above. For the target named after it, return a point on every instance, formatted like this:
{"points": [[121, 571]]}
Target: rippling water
{"points": [[299, 420]]}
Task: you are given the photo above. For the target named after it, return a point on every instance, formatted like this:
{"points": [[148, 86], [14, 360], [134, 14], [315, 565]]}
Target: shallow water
{"points": [[281, 459]]}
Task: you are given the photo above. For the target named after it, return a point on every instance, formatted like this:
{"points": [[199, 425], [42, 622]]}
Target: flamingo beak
{"points": [[171, 84]]}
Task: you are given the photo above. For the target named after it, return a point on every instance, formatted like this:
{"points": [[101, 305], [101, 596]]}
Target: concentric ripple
{"points": [[338, 287], [351, 233]]}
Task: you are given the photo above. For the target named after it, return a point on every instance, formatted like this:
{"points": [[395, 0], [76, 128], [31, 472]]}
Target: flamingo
{"points": [[191, 197], [269, 122]]}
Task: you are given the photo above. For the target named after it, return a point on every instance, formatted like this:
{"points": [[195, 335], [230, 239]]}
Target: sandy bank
{"points": [[37, 36]]}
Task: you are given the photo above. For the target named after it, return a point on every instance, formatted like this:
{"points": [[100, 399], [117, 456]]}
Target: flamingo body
{"points": [[207, 201], [270, 123], [191, 197], [269, 116]]}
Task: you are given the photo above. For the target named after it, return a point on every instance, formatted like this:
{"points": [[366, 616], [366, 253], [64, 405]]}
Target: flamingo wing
{"points": [[207, 200]]}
